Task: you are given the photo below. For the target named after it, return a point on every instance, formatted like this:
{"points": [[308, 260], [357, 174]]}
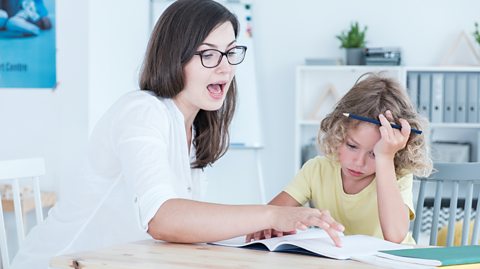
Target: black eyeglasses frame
{"points": [[201, 52]]}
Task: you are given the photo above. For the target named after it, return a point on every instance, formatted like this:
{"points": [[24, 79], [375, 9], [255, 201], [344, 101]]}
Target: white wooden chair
{"points": [[18, 179], [463, 179]]}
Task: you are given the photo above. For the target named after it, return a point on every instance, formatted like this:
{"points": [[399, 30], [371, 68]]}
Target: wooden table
{"points": [[156, 254], [28, 203]]}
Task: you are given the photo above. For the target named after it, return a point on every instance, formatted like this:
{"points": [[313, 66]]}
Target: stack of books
{"points": [[383, 56]]}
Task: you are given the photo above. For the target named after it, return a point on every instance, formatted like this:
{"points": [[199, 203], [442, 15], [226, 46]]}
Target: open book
{"points": [[317, 242]]}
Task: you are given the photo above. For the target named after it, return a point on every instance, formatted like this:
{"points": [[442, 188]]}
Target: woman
{"points": [[148, 152]]}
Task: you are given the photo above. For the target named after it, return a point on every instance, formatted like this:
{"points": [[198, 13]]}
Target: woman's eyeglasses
{"points": [[212, 57]]}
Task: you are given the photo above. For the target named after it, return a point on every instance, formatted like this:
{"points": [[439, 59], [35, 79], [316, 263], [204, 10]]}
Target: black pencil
{"points": [[377, 122]]}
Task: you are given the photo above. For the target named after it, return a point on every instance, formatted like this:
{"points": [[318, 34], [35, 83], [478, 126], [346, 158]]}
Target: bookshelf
{"points": [[319, 87]]}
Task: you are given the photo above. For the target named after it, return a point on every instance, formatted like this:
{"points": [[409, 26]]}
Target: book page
{"points": [[352, 245], [409, 260], [387, 263]]}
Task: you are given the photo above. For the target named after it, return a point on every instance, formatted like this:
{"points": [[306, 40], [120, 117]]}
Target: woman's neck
{"points": [[189, 113]]}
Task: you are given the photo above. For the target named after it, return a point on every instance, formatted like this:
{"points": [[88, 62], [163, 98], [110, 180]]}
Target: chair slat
{"points": [[436, 212], [18, 211], [452, 213], [419, 209], [476, 226], [3, 240], [38, 199], [467, 213]]}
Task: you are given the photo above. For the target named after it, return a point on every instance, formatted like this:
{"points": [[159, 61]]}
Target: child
{"points": [[365, 179]]}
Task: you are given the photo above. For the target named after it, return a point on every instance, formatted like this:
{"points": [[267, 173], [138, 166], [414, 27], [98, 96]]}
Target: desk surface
{"points": [[28, 203], [155, 254]]}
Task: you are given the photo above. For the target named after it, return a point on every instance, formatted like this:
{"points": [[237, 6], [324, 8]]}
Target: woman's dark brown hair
{"points": [[181, 29]]}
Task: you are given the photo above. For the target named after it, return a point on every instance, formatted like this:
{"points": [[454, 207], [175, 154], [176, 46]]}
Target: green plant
{"points": [[476, 34], [355, 38]]}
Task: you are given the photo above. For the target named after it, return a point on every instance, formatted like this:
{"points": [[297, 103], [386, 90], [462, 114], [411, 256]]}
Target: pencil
{"points": [[377, 122]]}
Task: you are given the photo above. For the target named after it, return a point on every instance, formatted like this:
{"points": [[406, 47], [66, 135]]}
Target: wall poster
{"points": [[27, 44]]}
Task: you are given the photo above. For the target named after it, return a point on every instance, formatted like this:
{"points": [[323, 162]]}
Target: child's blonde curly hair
{"points": [[372, 95]]}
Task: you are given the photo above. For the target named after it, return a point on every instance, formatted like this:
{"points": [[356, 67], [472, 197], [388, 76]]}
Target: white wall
{"points": [[100, 44], [118, 35], [46, 123], [286, 32]]}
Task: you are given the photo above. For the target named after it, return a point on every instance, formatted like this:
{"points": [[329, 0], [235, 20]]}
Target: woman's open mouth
{"points": [[216, 90]]}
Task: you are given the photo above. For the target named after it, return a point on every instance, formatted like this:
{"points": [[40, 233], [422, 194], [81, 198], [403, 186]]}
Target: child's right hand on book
{"points": [[286, 220]]}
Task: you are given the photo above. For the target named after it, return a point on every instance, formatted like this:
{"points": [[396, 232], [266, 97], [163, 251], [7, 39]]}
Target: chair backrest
{"points": [[17, 176], [453, 176]]}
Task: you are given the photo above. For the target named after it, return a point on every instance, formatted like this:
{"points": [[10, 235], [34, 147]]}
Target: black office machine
{"points": [[383, 56]]}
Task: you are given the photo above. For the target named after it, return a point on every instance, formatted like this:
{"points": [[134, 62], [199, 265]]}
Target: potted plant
{"points": [[354, 43], [476, 34]]}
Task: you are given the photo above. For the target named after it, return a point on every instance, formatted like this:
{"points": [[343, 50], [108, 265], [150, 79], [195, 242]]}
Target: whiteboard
{"points": [[245, 128]]}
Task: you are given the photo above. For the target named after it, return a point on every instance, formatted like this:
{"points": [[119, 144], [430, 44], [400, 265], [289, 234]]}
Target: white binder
{"points": [[472, 93], [437, 97], [461, 98], [424, 91], [449, 98]]}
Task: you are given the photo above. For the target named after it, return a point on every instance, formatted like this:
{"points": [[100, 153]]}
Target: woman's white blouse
{"points": [[137, 159]]}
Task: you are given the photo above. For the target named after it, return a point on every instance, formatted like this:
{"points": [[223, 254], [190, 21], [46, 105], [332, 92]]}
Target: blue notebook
{"points": [[435, 256]]}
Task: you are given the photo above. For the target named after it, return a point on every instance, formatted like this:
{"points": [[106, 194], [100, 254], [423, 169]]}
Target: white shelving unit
{"points": [[319, 87]]}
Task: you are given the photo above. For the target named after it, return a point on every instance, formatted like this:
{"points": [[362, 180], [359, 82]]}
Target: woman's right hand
{"points": [[286, 220]]}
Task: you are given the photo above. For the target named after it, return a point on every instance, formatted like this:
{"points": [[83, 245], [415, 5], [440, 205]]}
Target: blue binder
{"points": [[424, 91], [449, 98], [472, 93], [461, 98], [437, 97], [412, 88]]}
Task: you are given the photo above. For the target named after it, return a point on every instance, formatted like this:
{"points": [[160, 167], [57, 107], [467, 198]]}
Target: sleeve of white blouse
{"points": [[140, 135]]}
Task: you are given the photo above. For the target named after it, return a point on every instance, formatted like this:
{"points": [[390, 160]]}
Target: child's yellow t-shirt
{"points": [[319, 182]]}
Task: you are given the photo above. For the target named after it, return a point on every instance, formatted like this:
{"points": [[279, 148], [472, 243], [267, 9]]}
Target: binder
{"points": [[424, 91], [472, 97], [449, 98], [412, 88], [461, 98], [478, 144], [437, 97]]}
